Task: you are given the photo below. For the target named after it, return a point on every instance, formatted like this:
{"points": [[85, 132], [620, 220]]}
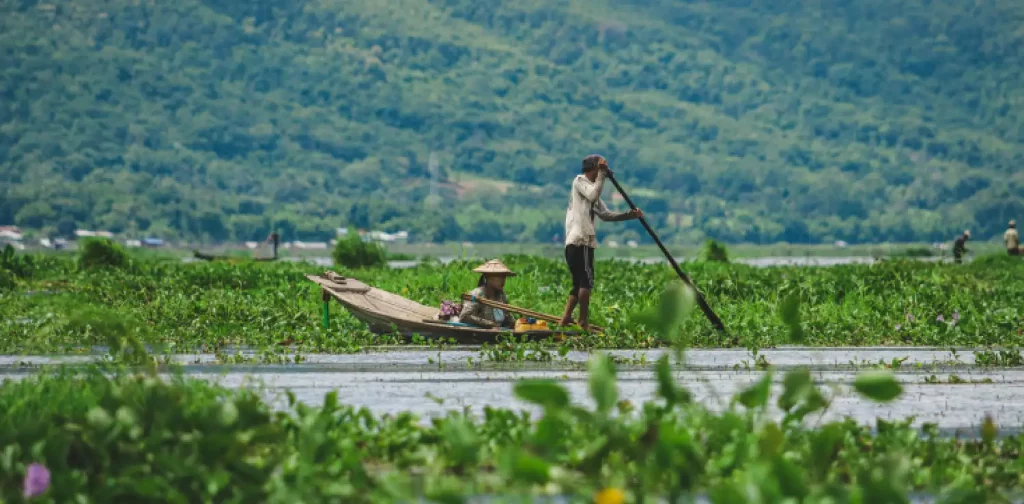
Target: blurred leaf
{"points": [[667, 387], [789, 312], [602, 383], [756, 396], [529, 468], [989, 431], [794, 385], [545, 393], [878, 385], [675, 304]]}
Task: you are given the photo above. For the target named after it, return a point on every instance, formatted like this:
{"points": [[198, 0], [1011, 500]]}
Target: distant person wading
{"points": [[580, 234], [274, 240], [960, 247], [1012, 240]]}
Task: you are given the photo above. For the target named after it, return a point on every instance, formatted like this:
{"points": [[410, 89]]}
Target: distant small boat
{"points": [[388, 313], [208, 257]]}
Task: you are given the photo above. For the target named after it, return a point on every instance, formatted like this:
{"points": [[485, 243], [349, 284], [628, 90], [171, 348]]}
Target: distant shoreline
{"points": [[415, 251]]}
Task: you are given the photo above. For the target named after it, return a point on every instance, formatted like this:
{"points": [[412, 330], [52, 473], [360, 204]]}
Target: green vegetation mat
{"points": [[51, 305]]}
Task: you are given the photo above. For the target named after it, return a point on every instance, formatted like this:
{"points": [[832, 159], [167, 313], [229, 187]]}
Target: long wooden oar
{"points": [[715, 321], [521, 311]]}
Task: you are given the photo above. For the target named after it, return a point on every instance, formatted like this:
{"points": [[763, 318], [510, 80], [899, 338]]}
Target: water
{"points": [[761, 262], [431, 383]]}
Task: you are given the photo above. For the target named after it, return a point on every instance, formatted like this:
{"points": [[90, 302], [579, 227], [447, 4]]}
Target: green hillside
{"points": [[744, 120]]}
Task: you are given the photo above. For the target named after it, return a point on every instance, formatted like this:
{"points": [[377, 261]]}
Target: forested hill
{"points": [[743, 120]]}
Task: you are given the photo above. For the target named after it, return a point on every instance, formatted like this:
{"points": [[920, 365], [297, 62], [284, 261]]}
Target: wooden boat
{"points": [[388, 313], [208, 257]]}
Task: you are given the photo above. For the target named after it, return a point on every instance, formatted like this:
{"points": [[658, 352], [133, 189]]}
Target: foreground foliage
{"points": [[140, 438], [189, 307]]}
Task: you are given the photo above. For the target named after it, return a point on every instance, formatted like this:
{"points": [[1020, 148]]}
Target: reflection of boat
{"points": [[387, 313], [208, 257]]}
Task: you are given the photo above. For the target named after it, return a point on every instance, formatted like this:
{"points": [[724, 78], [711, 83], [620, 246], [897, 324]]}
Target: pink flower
{"points": [[940, 318], [37, 480]]}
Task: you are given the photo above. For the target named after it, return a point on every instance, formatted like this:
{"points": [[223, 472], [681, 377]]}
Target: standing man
{"points": [[274, 240], [960, 248], [580, 233], [1012, 239]]}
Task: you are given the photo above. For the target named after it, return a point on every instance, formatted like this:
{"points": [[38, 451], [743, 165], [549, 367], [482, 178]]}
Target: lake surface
{"points": [[431, 382], [760, 262]]}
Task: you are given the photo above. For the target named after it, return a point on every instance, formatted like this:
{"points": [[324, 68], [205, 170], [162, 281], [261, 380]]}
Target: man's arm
{"points": [[601, 210], [590, 192]]}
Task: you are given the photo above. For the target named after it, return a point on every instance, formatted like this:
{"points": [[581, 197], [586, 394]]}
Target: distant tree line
{"points": [[737, 120]]}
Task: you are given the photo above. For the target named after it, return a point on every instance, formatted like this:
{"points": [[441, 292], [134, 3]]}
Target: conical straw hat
{"points": [[494, 267]]}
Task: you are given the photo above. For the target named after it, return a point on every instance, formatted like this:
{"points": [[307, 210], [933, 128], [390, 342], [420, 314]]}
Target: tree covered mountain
{"points": [[741, 120]]}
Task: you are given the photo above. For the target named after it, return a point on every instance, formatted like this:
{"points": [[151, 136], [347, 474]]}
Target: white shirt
{"points": [[584, 203], [1011, 238]]}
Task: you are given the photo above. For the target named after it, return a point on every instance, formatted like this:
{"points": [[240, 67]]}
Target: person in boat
{"points": [[960, 247], [491, 286], [1012, 240], [580, 234]]}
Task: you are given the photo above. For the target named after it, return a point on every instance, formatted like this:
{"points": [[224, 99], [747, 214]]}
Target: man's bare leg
{"points": [[585, 309], [570, 306]]}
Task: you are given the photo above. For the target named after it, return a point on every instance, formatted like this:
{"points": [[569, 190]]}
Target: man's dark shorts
{"points": [[580, 259]]}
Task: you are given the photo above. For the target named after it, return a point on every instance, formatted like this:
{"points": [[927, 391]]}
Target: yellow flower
{"points": [[609, 496]]}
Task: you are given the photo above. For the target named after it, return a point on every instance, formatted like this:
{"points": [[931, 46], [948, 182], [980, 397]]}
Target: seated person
{"points": [[491, 286]]}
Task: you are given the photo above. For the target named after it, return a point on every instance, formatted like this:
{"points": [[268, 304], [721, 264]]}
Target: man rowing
{"points": [[580, 234]]}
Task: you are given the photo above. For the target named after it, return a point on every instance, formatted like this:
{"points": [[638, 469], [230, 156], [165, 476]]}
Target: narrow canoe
{"points": [[388, 313], [208, 257]]}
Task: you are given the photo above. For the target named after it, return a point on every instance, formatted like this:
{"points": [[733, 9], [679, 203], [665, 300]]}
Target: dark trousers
{"points": [[580, 259]]}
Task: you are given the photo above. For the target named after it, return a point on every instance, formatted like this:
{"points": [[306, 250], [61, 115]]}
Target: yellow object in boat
{"points": [[530, 324]]}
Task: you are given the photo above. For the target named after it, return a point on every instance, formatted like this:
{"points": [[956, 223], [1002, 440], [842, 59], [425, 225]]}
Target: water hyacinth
{"points": [[37, 480], [940, 318]]}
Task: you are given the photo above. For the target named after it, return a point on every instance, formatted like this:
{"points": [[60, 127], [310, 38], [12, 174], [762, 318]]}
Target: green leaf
{"points": [[545, 393], [789, 312], [770, 441], [602, 383], [794, 387], [674, 306], [878, 385], [667, 387], [989, 431], [463, 441], [825, 447], [531, 469], [756, 396]]}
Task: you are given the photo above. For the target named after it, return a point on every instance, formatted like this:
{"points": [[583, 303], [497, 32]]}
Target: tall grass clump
{"points": [[353, 252], [1000, 260], [715, 252], [7, 280], [101, 253]]}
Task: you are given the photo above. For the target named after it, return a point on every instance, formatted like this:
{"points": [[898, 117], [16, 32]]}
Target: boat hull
{"points": [[386, 313]]}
